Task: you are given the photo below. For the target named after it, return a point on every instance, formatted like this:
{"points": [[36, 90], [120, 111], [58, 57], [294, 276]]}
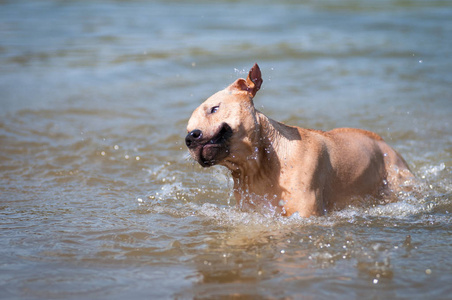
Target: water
{"points": [[99, 200]]}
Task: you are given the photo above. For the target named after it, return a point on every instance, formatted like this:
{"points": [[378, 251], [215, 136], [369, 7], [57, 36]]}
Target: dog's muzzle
{"points": [[208, 151]]}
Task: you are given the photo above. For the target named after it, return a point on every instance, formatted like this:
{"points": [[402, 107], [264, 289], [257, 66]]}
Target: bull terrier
{"points": [[290, 169]]}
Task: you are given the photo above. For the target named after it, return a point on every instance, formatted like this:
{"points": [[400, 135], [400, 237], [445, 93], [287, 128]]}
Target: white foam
{"points": [[399, 209], [212, 201]]}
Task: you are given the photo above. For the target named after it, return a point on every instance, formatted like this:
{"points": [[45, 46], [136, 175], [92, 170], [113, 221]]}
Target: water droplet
{"points": [[137, 158], [428, 271], [103, 153], [375, 281], [116, 147]]}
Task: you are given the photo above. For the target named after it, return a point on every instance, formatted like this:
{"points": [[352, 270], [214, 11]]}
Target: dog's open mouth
{"points": [[209, 152], [216, 149], [222, 136]]}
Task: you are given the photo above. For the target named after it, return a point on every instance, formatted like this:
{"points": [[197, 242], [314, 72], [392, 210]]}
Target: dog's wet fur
{"points": [[291, 169]]}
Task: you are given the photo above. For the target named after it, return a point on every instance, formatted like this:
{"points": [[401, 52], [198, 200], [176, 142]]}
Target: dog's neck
{"points": [[257, 176]]}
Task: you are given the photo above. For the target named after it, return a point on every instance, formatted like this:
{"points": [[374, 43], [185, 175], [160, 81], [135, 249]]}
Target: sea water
{"points": [[98, 196]]}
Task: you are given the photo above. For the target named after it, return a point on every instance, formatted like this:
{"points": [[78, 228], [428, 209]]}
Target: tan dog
{"points": [[292, 169]]}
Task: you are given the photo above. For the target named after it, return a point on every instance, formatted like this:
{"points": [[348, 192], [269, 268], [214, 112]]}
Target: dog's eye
{"points": [[214, 109]]}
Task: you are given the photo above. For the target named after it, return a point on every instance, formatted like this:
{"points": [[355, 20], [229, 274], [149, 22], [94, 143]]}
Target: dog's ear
{"points": [[254, 80], [252, 83]]}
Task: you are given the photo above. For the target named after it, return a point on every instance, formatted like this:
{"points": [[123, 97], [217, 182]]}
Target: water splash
{"points": [[209, 197]]}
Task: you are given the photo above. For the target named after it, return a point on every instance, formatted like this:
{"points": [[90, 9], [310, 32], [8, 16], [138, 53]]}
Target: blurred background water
{"points": [[98, 199]]}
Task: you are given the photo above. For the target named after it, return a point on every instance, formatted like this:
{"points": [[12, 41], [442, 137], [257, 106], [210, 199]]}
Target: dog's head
{"points": [[221, 128]]}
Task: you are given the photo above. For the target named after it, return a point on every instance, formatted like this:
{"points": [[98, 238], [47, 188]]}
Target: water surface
{"points": [[99, 200]]}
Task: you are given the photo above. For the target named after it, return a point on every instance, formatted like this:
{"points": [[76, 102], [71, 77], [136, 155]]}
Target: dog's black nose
{"points": [[193, 136]]}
